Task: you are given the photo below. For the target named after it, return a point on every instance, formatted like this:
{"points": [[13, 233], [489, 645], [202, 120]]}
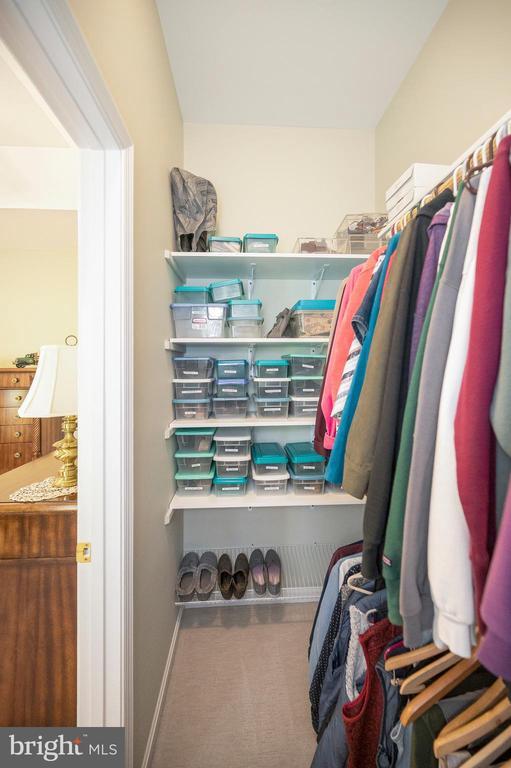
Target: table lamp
{"points": [[54, 393]]}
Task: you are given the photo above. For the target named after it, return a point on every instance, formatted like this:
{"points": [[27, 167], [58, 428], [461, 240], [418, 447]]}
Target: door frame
{"points": [[44, 38]]}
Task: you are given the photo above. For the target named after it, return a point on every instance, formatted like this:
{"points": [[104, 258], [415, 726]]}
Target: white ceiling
{"points": [[25, 119], [316, 63]]}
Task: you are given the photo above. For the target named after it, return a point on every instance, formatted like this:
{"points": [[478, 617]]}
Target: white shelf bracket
{"points": [[172, 264], [316, 281], [251, 281]]}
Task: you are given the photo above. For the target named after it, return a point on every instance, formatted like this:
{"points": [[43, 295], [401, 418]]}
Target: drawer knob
{"points": [[18, 397], [17, 455], [17, 434], [15, 380]]}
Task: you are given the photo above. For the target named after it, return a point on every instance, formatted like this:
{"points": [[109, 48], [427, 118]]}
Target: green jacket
{"points": [[393, 546]]}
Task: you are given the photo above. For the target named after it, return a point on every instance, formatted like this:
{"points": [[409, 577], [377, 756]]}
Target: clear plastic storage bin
{"points": [[231, 387], [245, 327], [193, 389], [224, 244], [192, 409], [194, 439], [306, 365], [305, 386], [231, 442], [232, 486], [304, 406], [270, 485], [272, 407], [241, 308], [194, 367], [316, 245], [194, 463], [230, 407], [192, 294], [232, 369], [313, 484], [194, 485], [271, 387], [271, 369], [311, 317], [358, 232], [269, 458], [223, 290], [258, 243], [304, 459], [234, 466], [199, 320]]}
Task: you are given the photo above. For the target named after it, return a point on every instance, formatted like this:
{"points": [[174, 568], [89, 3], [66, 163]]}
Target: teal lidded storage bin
{"points": [[219, 243], [271, 369], [269, 458], [238, 309], [304, 459], [259, 243], [194, 439], [230, 486], [192, 294], [196, 485], [223, 290], [194, 462]]}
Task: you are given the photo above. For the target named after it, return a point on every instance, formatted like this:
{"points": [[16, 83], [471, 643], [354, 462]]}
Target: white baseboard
{"points": [[153, 731]]}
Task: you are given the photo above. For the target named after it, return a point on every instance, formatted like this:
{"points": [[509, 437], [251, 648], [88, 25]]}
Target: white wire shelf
{"points": [[303, 571], [176, 344], [246, 421], [275, 266], [251, 500]]}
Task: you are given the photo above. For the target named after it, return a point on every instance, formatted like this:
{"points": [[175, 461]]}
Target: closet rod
{"points": [[482, 149]]}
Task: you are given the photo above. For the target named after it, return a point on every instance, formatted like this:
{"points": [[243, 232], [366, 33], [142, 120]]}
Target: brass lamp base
{"points": [[67, 452]]}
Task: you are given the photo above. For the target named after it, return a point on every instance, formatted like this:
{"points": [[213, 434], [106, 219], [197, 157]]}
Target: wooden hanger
{"points": [[438, 689], [416, 682], [470, 732], [415, 656], [488, 699], [491, 751]]}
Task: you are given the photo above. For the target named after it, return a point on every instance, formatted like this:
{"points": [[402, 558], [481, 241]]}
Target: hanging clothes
{"points": [[424, 393], [335, 468], [474, 438]]}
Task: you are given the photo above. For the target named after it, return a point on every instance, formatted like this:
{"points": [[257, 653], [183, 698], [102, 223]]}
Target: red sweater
{"points": [[474, 438]]}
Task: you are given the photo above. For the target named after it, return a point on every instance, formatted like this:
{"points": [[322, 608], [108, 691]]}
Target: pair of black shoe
{"points": [[266, 573]]}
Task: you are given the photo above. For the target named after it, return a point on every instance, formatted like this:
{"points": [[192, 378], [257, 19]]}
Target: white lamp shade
{"points": [[54, 389]]}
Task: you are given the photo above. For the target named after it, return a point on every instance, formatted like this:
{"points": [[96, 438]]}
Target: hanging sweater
{"points": [[394, 398], [335, 466], [495, 650], [340, 346], [394, 532], [474, 438]]}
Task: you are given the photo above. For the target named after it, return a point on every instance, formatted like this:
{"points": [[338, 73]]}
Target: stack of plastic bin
{"points": [[305, 384], [194, 459], [231, 399], [193, 387], [232, 458], [271, 388], [307, 468], [244, 320], [269, 469]]}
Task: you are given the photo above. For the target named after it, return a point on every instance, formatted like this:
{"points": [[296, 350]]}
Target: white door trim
{"points": [[44, 38]]}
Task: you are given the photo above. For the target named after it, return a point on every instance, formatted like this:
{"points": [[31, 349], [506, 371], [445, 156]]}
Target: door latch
{"points": [[83, 552]]}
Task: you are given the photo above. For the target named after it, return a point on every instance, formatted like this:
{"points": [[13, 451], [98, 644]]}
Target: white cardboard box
{"points": [[424, 175]]}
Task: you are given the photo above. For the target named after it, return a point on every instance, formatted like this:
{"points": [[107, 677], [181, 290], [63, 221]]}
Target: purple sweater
{"points": [[495, 650], [436, 232]]}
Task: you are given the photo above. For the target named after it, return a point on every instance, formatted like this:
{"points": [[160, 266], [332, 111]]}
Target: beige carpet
{"points": [[238, 690]]}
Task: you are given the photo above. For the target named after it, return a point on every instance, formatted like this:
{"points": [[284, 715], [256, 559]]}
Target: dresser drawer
{"points": [[19, 434], [9, 417], [12, 398], [16, 379], [12, 455]]}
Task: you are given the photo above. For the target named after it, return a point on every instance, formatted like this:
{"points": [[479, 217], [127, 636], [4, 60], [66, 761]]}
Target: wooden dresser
{"points": [[21, 440], [37, 604]]}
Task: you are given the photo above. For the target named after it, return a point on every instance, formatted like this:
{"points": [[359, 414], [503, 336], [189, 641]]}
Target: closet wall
{"points": [[129, 48], [270, 179], [457, 88]]}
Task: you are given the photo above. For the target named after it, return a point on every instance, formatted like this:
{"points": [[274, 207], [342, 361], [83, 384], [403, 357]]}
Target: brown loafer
{"points": [[240, 576], [225, 577]]}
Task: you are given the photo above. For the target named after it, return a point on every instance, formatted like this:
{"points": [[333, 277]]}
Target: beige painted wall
{"points": [[458, 87], [126, 39], [38, 285], [292, 181]]}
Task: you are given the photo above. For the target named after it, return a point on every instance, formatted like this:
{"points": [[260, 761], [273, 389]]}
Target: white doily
{"points": [[41, 491]]}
